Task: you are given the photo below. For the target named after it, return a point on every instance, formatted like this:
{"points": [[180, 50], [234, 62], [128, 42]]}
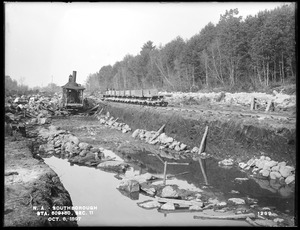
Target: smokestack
{"points": [[74, 76]]}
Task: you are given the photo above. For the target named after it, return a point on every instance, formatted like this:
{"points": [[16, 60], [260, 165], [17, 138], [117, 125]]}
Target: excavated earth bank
{"points": [[231, 134], [31, 188]]}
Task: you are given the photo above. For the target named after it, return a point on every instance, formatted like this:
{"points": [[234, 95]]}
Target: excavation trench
{"points": [[98, 188]]}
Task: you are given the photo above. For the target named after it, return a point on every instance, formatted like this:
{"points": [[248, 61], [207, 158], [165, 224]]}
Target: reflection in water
{"points": [[90, 186], [203, 169]]}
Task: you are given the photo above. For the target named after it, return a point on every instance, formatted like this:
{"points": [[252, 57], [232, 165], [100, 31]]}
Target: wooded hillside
{"points": [[246, 54]]}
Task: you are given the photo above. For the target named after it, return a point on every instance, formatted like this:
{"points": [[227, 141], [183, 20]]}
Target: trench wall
{"points": [[228, 137]]}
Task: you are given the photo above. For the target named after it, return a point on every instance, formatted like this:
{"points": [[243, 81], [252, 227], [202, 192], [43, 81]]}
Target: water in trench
{"points": [[222, 180], [93, 187]]}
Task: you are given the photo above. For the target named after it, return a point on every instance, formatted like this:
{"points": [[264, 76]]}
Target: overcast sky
{"points": [[45, 41]]}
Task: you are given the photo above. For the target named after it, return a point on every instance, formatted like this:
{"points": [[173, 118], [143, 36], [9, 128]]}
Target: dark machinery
{"points": [[72, 94], [140, 96]]}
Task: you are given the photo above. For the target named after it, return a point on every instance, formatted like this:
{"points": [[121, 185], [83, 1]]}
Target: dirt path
{"points": [[30, 186]]}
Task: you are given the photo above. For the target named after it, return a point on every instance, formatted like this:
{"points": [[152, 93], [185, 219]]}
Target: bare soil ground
{"points": [[30, 183]]}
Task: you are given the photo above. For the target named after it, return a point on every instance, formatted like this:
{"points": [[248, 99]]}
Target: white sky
{"points": [[45, 40]]}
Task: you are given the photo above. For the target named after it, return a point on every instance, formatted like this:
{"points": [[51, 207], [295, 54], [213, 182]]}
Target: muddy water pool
{"points": [[94, 187]]}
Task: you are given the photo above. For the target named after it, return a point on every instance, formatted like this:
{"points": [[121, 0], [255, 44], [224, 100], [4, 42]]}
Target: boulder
{"points": [[129, 185], [136, 133], [168, 206], [150, 204], [282, 164], [275, 168], [270, 164], [183, 146], [226, 162], [169, 192], [69, 147], [290, 179], [83, 153], [74, 139], [221, 204], [286, 171], [236, 201], [84, 146], [251, 162], [264, 172], [275, 175], [148, 189], [285, 191], [242, 165], [163, 138], [113, 166], [144, 177], [148, 135], [195, 208], [260, 163], [177, 148], [195, 150]]}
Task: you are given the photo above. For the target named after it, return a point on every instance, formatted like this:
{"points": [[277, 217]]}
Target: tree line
{"points": [[13, 87], [249, 53]]}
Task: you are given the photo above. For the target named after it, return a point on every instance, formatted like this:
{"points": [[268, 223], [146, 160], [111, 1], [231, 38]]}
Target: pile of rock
{"points": [[63, 144], [266, 168], [165, 141], [111, 122], [281, 100], [30, 110]]}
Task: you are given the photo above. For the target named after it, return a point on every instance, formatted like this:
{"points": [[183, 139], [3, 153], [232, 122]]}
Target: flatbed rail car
{"points": [[138, 96]]}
